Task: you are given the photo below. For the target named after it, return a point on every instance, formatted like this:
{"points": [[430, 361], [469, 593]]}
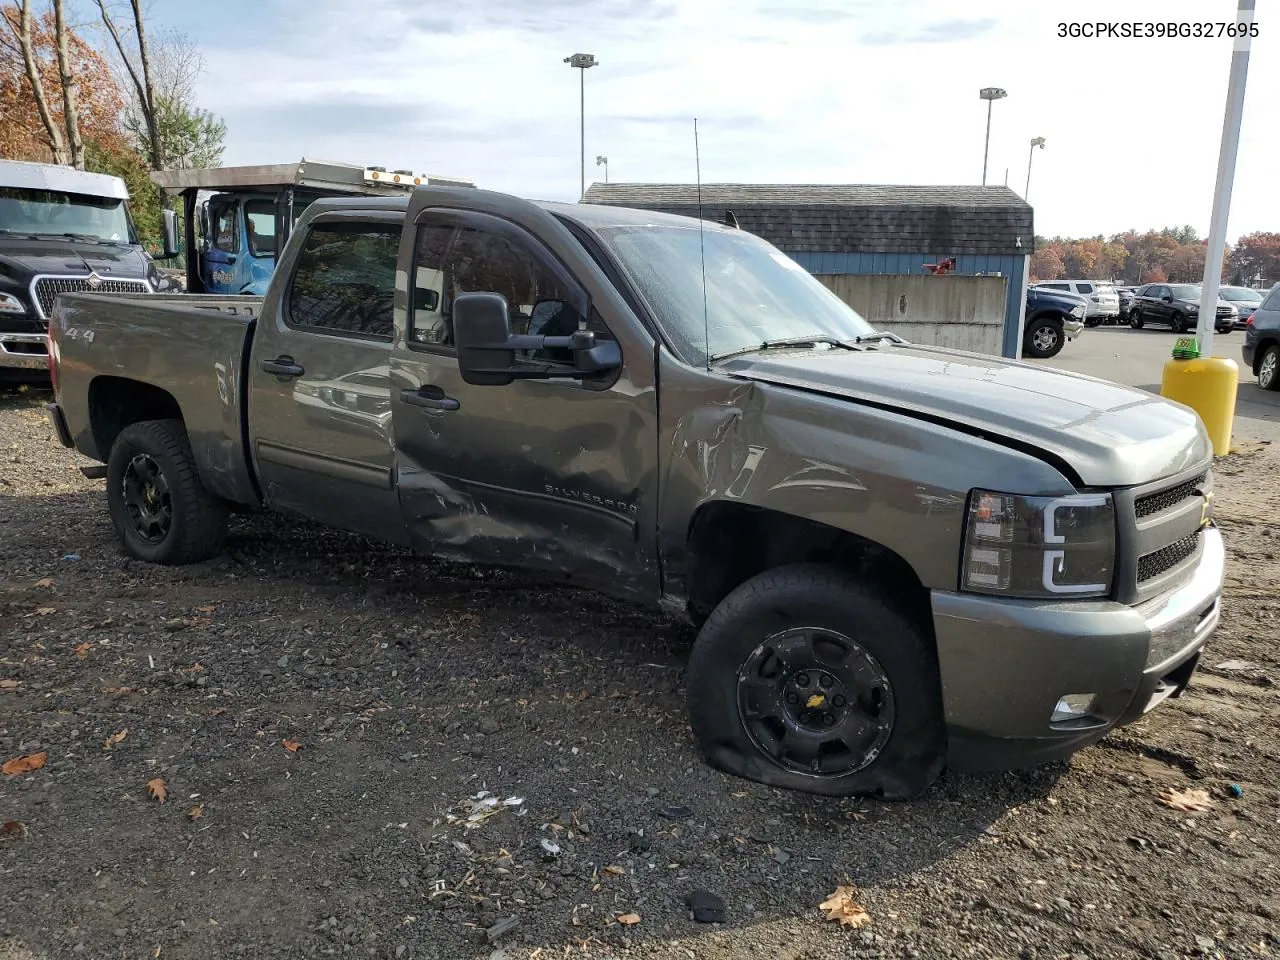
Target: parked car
{"points": [[1245, 300], [1101, 302], [1176, 305], [1261, 348], [898, 556], [1125, 296], [1051, 319]]}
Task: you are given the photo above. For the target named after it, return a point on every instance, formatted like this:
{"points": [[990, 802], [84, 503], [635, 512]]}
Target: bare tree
{"points": [[140, 76], [70, 115], [25, 41]]}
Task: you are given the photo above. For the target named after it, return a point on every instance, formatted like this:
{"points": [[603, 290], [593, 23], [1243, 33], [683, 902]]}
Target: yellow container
{"points": [[1208, 386]]}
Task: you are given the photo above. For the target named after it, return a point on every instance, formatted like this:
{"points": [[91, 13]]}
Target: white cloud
{"points": [[857, 91]]}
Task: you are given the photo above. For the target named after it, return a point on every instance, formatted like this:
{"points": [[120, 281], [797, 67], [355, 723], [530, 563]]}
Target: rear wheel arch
{"points": [[119, 402]]}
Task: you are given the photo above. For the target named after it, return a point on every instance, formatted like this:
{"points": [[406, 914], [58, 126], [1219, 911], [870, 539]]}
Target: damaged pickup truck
{"points": [[898, 557]]}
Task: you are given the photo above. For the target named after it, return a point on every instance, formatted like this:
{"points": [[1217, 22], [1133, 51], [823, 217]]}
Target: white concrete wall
{"points": [[966, 313]]}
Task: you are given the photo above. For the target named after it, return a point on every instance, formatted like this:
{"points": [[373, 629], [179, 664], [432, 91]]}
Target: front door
{"points": [[557, 475], [319, 387], [219, 267]]}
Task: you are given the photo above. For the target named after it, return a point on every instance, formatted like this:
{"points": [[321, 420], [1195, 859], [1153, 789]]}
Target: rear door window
{"points": [[1273, 299], [260, 223], [1056, 286], [344, 283], [1084, 287]]}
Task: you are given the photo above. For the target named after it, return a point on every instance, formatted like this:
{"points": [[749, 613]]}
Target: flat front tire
{"points": [[160, 509], [807, 678]]}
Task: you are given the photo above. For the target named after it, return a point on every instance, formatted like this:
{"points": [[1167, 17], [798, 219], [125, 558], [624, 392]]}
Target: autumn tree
{"points": [[189, 136], [135, 57], [1254, 255], [1046, 262], [35, 124], [1155, 275]]}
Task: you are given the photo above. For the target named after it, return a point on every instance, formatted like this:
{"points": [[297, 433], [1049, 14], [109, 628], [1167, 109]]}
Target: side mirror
{"points": [[169, 232], [1167, 298], [487, 347]]}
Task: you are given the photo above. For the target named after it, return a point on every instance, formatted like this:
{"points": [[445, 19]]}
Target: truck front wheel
{"points": [[160, 509], [807, 678]]}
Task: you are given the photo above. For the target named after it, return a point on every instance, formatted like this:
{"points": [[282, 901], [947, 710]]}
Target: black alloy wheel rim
{"points": [[146, 497], [815, 702]]}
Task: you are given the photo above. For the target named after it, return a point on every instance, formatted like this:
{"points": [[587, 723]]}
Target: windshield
{"points": [[1241, 294], [754, 292], [1185, 291], [54, 213]]}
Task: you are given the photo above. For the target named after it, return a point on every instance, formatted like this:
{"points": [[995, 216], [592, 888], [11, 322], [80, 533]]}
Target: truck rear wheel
{"points": [[807, 678], [161, 511]]}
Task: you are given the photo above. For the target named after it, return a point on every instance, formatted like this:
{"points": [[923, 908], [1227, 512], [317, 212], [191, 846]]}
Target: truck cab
{"points": [[61, 230], [238, 218]]}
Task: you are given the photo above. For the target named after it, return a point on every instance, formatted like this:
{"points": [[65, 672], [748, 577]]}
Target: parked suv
{"points": [[1178, 306], [1100, 299], [1245, 300], [1262, 341], [1052, 318]]}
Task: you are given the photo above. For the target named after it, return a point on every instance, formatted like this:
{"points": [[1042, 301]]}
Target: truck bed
{"points": [[112, 350]]}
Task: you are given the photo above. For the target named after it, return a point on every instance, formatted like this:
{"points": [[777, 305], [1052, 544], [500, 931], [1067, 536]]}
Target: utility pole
{"points": [[1035, 142], [989, 94], [582, 62]]}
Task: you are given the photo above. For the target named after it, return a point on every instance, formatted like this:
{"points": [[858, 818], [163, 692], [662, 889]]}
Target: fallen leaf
{"points": [[158, 789], [115, 738], [1191, 800], [615, 870], [17, 765], [45, 583], [196, 812], [13, 830], [629, 918], [82, 649], [841, 906], [194, 668], [45, 611], [208, 609], [217, 711], [293, 746], [7, 684]]}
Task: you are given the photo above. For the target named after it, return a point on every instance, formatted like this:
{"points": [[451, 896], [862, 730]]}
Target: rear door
{"points": [[319, 387], [556, 475]]}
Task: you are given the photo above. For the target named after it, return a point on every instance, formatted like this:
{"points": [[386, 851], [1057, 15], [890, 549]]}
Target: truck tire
{"points": [[160, 509], [1179, 323], [1043, 338], [807, 678], [1135, 319]]}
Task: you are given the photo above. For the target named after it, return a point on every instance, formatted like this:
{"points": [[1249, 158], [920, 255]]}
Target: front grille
{"points": [[48, 288], [1166, 558], [1165, 499]]}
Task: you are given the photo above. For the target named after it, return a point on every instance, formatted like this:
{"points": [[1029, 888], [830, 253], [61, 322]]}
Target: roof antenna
{"points": [[730, 219], [702, 249]]}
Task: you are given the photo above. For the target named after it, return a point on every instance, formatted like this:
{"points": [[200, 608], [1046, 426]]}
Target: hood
{"points": [[1055, 296], [26, 258], [1108, 434]]}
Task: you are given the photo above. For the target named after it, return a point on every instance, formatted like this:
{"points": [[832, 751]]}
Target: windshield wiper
{"points": [[879, 335], [809, 341]]}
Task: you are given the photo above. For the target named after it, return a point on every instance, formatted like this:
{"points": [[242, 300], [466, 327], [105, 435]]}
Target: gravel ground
{"points": [[406, 686]]}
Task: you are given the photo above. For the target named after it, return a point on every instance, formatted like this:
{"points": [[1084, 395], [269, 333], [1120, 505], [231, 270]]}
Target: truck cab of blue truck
{"points": [[237, 219]]}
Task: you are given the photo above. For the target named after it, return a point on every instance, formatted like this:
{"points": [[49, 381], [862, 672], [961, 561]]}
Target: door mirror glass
{"points": [[169, 235], [481, 330]]}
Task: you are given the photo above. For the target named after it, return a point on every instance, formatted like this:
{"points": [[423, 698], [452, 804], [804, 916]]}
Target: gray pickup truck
{"points": [[897, 557]]}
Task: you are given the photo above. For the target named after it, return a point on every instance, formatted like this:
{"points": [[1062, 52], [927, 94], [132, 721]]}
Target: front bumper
{"points": [[1005, 664], [24, 351], [1072, 328]]}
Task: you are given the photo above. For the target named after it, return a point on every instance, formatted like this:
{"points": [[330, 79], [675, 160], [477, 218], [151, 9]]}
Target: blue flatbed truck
{"points": [[236, 219]]}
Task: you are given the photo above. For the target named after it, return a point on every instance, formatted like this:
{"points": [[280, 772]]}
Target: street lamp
{"points": [[988, 94], [605, 161], [583, 62], [1035, 142]]}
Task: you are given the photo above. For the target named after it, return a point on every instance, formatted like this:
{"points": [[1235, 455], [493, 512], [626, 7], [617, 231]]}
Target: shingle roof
{"points": [[837, 218]]}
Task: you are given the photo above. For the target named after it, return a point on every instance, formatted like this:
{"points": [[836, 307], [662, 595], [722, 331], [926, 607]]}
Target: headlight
{"points": [[11, 304], [1018, 546], [1078, 311]]}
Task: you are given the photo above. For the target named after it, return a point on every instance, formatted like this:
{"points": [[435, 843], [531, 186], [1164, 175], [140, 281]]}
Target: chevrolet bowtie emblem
{"points": [[815, 701]]}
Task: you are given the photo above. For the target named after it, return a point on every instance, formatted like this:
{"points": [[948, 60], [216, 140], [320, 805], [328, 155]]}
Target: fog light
{"points": [[1073, 707]]}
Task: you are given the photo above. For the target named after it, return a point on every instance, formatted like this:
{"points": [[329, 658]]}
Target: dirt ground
{"points": [[406, 686]]}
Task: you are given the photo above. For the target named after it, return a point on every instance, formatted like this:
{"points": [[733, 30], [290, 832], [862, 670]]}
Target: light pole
{"points": [[1035, 142], [605, 161], [989, 94], [583, 62]]}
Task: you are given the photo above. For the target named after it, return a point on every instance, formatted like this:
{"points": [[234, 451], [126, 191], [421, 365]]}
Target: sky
{"points": [[819, 91]]}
